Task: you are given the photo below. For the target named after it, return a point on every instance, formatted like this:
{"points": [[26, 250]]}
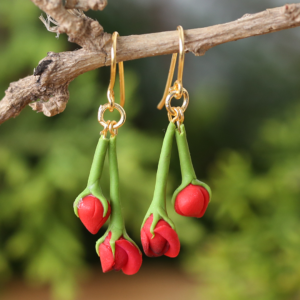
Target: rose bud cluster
{"points": [[116, 249], [158, 235]]}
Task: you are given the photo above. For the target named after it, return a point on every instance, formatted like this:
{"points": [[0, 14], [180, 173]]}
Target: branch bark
{"points": [[54, 73], [86, 4]]}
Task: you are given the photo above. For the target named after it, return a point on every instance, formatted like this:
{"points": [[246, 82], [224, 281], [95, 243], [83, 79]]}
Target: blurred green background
{"points": [[243, 129]]}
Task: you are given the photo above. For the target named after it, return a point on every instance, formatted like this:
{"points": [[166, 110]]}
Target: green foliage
{"points": [[253, 251]]}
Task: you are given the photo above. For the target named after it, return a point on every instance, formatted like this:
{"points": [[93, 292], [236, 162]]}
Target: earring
{"points": [[191, 198], [116, 249], [158, 234]]}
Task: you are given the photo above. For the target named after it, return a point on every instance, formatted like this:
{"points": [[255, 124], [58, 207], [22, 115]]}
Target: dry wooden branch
{"points": [[86, 4], [54, 73]]}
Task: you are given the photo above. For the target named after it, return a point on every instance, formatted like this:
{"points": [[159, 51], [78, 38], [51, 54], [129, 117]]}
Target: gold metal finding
{"points": [[111, 126], [110, 91], [177, 118], [111, 129], [171, 95], [178, 87]]}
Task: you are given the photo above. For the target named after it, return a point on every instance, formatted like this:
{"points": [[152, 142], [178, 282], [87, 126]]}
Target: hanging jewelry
{"points": [[116, 249], [191, 198], [91, 206]]}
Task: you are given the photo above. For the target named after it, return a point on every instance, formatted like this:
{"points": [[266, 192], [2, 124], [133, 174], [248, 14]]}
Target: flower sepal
{"points": [[158, 212]]}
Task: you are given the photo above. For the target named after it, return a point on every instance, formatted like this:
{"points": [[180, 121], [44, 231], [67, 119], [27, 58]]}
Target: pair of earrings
{"points": [[116, 249]]}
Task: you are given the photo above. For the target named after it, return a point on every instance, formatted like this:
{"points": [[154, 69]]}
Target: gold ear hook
{"points": [[110, 91], [178, 83]]}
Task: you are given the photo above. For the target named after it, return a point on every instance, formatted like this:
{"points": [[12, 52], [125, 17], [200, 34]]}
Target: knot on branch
{"points": [[41, 67], [200, 48], [292, 11], [53, 95], [53, 105], [45, 68]]}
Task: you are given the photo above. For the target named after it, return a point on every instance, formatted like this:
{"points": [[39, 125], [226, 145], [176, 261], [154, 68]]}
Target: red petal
{"points": [[206, 201], [161, 244], [121, 257], [134, 261], [191, 201], [158, 244], [106, 255], [90, 211], [171, 237], [146, 243]]}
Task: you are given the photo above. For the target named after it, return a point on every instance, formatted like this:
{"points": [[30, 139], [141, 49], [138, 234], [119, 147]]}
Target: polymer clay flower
{"points": [[191, 198], [90, 212], [164, 242], [116, 249], [90, 205], [192, 201], [158, 233], [127, 256]]}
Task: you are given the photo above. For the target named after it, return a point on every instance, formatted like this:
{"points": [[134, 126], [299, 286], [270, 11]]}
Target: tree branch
{"points": [[86, 4], [55, 72]]}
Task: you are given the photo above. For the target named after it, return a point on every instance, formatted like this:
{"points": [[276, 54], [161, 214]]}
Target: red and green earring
{"points": [[191, 198], [116, 249]]}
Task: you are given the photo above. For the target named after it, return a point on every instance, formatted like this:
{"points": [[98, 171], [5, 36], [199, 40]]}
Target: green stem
{"points": [[93, 186], [98, 161], [187, 170], [116, 223], [159, 197], [158, 204], [117, 220], [186, 165]]}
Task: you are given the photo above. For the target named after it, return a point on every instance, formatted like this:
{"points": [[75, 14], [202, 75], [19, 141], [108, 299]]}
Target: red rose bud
{"points": [[165, 241], [90, 212], [128, 257], [192, 201]]}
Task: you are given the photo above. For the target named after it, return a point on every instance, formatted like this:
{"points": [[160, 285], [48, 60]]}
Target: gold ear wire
{"points": [[178, 82], [110, 91]]}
